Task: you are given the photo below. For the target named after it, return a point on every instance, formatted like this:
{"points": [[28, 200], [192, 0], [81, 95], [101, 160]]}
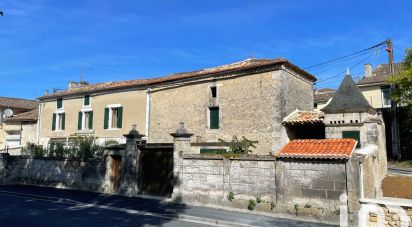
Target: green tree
{"points": [[403, 81]]}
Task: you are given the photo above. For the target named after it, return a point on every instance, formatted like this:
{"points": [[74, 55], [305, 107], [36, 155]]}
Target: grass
{"points": [[400, 164]]}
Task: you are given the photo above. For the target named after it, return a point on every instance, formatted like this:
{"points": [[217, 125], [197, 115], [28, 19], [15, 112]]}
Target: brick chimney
{"points": [[368, 70]]}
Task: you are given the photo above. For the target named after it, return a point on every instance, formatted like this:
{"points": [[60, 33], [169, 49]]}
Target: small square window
{"points": [[86, 100], [213, 90], [59, 103]]}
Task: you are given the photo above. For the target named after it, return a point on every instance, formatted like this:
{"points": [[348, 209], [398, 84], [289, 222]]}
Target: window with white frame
{"points": [[59, 121], [113, 117], [85, 120]]}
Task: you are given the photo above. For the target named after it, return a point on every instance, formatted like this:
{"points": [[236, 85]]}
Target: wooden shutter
{"points": [[54, 122], [106, 118], [352, 135], [63, 121], [79, 121], [90, 119], [214, 117], [119, 117], [86, 100], [59, 103]]}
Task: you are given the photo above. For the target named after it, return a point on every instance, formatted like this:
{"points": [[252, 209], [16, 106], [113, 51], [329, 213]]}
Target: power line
{"points": [[346, 56], [353, 66]]}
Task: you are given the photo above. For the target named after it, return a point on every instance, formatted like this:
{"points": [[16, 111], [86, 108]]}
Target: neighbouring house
{"points": [[248, 98], [375, 86], [21, 129], [8, 108], [322, 97]]}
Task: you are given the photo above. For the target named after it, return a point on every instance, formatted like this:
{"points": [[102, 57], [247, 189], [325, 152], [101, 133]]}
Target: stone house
{"points": [[322, 97], [247, 98], [17, 106]]}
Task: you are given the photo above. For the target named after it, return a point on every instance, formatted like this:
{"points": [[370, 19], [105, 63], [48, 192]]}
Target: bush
{"points": [[259, 199], [252, 204], [84, 148], [34, 150], [231, 196], [237, 146], [87, 147]]}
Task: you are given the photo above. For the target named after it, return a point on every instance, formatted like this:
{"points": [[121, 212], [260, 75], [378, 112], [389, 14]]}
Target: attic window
{"points": [[213, 90]]}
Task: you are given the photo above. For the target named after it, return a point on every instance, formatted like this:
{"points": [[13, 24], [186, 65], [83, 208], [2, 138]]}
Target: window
{"points": [[59, 103], [386, 96], [113, 117], [315, 105], [213, 90], [214, 117], [86, 100], [59, 121], [85, 120], [352, 135]]}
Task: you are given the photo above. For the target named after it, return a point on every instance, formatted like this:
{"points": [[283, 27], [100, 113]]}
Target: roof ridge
{"points": [[32, 100]]}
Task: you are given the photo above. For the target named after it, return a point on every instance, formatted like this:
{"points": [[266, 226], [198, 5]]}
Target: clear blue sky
{"points": [[44, 43]]}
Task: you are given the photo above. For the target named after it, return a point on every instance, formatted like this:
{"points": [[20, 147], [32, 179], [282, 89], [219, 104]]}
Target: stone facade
{"points": [[251, 105]]}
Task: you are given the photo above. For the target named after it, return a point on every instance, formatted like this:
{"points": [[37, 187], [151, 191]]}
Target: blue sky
{"points": [[44, 43]]}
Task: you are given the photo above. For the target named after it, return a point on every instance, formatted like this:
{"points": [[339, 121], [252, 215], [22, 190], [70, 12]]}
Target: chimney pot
{"points": [[368, 70], [72, 85]]}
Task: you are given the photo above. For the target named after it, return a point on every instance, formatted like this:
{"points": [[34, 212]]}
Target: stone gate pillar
{"points": [[129, 185], [181, 145]]}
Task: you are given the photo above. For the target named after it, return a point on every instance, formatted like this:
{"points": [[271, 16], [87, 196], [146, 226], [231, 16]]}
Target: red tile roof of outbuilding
{"points": [[318, 149]]}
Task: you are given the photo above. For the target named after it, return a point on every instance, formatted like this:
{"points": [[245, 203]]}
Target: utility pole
{"points": [[396, 148]]}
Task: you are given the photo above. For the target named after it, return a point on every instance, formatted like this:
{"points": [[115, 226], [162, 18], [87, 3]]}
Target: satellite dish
{"points": [[8, 112]]}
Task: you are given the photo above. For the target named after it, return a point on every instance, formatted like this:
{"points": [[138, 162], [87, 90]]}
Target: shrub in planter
{"points": [[252, 204]]}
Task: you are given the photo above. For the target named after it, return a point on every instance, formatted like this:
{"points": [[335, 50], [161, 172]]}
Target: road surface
{"points": [[40, 206]]}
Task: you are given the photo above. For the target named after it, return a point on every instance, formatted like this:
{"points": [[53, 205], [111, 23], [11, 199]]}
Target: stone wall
{"points": [[72, 174], [317, 183], [386, 212], [309, 188]]}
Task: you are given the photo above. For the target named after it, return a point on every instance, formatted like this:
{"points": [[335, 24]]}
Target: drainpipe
{"points": [[38, 124], [148, 99]]}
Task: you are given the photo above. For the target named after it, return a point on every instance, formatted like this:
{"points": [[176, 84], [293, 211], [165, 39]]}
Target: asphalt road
{"points": [[38, 206]]}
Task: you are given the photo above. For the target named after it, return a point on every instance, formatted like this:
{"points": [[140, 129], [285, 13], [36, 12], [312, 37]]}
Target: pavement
{"points": [[41, 206]]}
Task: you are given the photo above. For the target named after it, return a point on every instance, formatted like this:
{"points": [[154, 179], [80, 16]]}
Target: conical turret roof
{"points": [[348, 99]]}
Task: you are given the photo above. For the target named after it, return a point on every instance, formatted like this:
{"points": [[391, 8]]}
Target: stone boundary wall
{"points": [[304, 187], [386, 212], [71, 174]]}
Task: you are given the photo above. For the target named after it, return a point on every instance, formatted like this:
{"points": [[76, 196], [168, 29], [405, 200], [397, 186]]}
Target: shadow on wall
{"points": [[74, 208]]}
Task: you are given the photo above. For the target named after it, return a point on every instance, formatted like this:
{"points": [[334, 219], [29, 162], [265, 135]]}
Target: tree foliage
{"points": [[403, 81]]}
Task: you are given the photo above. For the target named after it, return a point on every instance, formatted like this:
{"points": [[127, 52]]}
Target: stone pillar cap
{"points": [[133, 133], [181, 132]]}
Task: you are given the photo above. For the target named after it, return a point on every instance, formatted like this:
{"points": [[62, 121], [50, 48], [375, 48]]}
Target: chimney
{"points": [[46, 92], [72, 85], [368, 70]]}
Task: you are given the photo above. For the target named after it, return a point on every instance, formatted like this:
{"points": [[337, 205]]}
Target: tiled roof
{"points": [[304, 117], [31, 115], [318, 149], [380, 74], [18, 103], [324, 97], [230, 68]]}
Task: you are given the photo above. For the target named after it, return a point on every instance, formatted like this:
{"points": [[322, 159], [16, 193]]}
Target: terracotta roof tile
{"points": [[318, 149], [238, 66], [18, 103], [304, 117]]}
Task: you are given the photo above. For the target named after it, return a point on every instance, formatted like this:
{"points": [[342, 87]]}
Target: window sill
{"points": [[212, 130], [113, 129]]}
